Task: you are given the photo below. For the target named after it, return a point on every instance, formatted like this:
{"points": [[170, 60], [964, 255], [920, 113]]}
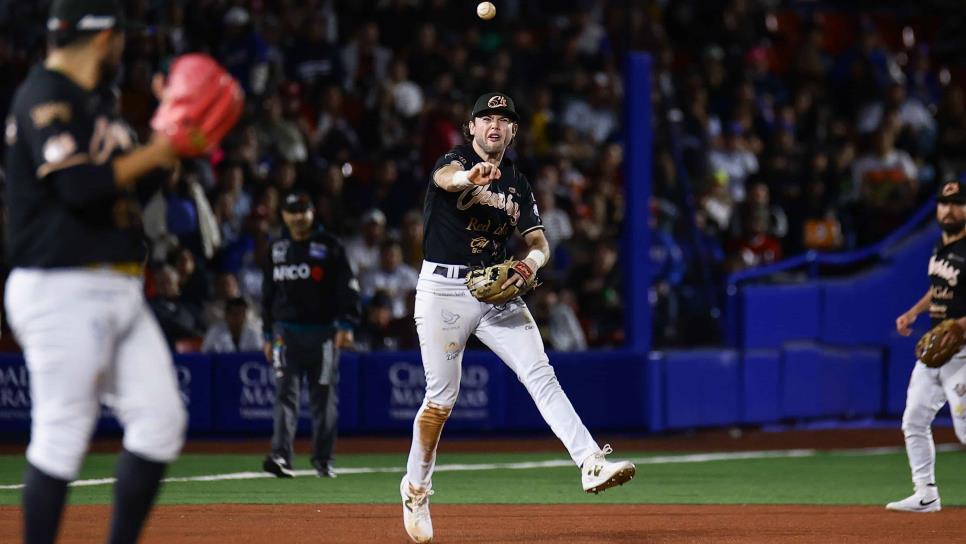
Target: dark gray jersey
{"points": [[945, 272], [63, 209], [471, 227]]}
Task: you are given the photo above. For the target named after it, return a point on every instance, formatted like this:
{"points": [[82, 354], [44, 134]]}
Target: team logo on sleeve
{"points": [[317, 250], [279, 250]]}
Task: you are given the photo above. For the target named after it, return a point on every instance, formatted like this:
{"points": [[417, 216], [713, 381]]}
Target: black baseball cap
{"points": [[952, 192], [495, 102], [75, 16], [297, 202]]}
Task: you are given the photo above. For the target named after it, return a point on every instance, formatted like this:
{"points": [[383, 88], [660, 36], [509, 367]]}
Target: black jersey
{"points": [[945, 272], [63, 208], [309, 282], [471, 227]]}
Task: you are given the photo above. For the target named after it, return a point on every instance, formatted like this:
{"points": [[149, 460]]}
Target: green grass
{"points": [[826, 478]]}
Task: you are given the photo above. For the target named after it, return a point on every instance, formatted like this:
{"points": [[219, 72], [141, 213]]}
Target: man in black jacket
{"points": [[310, 301]]}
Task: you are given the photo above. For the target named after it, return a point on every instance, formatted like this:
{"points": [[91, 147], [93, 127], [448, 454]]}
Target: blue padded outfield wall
{"points": [[612, 390]]}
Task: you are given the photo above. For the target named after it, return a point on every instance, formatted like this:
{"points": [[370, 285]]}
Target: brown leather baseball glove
{"points": [[932, 351], [486, 283]]}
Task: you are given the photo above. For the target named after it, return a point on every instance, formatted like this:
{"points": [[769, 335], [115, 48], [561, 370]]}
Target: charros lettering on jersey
{"points": [[483, 195], [943, 269]]}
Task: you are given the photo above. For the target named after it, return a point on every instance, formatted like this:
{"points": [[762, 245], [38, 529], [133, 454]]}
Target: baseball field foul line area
{"points": [[653, 460], [796, 495]]}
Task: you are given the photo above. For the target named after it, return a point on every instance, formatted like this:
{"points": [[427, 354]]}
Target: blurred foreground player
{"points": [[74, 297]]}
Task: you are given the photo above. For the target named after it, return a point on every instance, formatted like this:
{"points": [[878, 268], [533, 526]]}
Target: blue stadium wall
{"points": [[817, 350]]}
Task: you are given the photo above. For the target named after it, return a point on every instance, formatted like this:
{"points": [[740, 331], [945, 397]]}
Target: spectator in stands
{"points": [[597, 285], [380, 330], [243, 51], [912, 115], [363, 249], [411, 238], [559, 324], [392, 277], [756, 247], [225, 289], [280, 135], [366, 62], [236, 333], [312, 58], [734, 159], [178, 320], [556, 221], [884, 185]]}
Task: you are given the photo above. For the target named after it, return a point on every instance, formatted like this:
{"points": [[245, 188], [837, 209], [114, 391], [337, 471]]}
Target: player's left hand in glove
{"points": [[199, 105], [938, 346], [500, 283]]}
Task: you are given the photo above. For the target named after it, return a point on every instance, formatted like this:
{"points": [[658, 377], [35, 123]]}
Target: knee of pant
{"points": [[442, 393], [159, 435], [539, 376], [916, 421], [58, 452]]}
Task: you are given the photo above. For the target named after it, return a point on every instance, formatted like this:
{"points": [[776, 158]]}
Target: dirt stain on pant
{"points": [[431, 421]]}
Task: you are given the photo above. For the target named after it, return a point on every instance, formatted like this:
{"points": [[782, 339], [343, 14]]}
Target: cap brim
{"points": [[503, 111]]}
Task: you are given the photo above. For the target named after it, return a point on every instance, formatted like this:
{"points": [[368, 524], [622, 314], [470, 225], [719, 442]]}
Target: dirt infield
{"points": [[571, 524]]}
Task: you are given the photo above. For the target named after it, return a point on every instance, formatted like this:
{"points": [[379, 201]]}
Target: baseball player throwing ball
{"points": [[476, 200], [940, 372], [74, 298]]}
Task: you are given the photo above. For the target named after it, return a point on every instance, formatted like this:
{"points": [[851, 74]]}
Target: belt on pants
{"points": [[461, 271]]}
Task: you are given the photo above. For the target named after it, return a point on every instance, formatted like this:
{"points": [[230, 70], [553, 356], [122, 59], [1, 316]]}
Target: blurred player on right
{"points": [[940, 373]]}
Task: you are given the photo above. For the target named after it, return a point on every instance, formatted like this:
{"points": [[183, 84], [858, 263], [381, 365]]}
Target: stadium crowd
{"points": [[776, 131]]}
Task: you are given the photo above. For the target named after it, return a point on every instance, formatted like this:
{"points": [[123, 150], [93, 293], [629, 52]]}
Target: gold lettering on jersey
{"points": [[476, 226], [942, 293], [108, 137], [938, 311], [478, 244], [48, 112], [944, 270], [482, 195], [502, 230]]}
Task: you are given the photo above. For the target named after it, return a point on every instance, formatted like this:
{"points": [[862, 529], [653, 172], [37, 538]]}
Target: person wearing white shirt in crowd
{"points": [[393, 277], [363, 249], [734, 159], [235, 334]]}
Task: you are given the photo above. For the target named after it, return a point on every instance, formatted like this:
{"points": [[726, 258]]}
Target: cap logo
{"points": [[95, 22], [498, 101], [950, 189]]}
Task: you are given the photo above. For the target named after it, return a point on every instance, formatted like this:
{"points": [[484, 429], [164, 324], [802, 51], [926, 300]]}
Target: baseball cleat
{"points": [[925, 499], [598, 474], [416, 520], [274, 464]]}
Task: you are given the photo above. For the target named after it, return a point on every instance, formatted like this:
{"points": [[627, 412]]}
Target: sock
{"points": [[137, 485], [43, 506]]}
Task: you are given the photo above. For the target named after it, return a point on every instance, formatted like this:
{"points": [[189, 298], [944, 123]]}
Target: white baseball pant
{"points": [[89, 337], [929, 389], [446, 315]]}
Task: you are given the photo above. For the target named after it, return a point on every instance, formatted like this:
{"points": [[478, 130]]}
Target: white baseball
{"points": [[486, 10]]}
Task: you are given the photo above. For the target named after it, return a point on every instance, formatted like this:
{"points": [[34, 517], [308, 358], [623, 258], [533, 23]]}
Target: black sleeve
{"points": [[59, 143], [347, 287], [268, 299], [529, 215], [450, 157]]}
